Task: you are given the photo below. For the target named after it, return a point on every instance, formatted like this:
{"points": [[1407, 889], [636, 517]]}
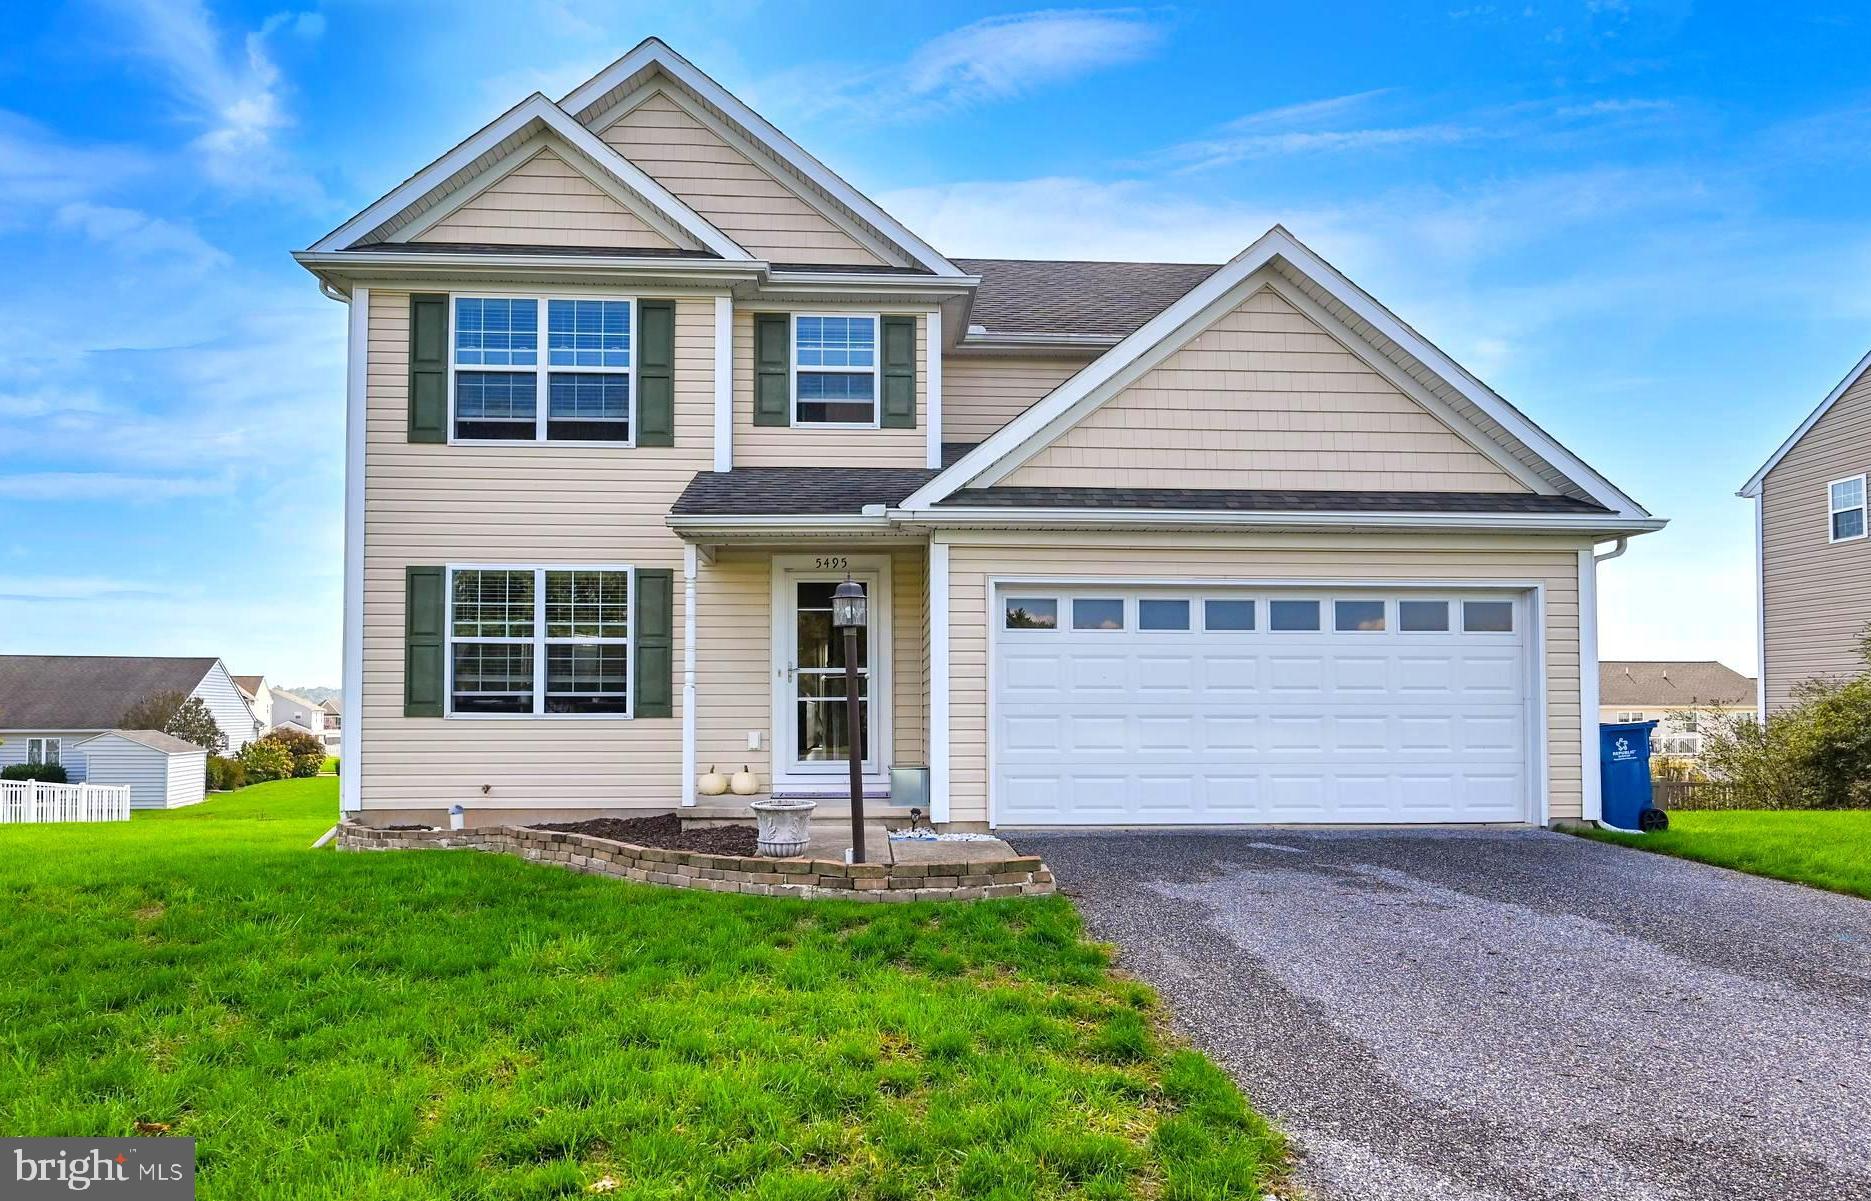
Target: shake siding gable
{"points": [[1814, 590], [519, 503], [545, 202], [1264, 398], [728, 188]]}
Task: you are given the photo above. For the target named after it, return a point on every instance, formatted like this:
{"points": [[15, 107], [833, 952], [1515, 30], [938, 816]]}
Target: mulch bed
{"points": [[664, 832]]}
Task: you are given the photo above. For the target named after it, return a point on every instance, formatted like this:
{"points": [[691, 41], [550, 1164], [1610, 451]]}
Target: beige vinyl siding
{"points": [[982, 393], [1264, 398], [524, 504], [1817, 593], [819, 446], [975, 558], [909, 656], [545, 202], [725, 186]]}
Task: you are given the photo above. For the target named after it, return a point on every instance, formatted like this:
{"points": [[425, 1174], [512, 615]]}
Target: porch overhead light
{"points": [[850, 610]]}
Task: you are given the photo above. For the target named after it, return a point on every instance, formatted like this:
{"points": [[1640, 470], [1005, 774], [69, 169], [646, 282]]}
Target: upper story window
{"points": [[580, 389], [1847, 503], [835, 365]]}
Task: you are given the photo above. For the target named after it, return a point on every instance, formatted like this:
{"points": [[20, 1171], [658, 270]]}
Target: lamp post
{"points": [[850, 614]]}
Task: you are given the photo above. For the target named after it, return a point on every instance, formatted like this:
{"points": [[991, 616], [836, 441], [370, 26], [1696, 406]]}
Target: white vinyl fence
{"points": [[32, 801]]}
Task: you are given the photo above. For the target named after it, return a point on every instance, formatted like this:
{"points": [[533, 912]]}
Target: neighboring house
{"points": [[162, 771], [1676, 693], [294, 712], [334, 722], [635, 381], [259, 698], [1812, 556], [50, 704]]}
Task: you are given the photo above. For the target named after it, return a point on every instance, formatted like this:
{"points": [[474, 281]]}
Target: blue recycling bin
{"points": [[1624, 773]]}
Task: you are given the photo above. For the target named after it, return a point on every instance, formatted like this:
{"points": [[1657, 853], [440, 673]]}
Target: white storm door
{"points": [[812, 734]]}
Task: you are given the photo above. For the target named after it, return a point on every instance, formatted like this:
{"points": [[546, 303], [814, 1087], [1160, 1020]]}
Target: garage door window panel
{"points": [[1423, 616], [1032, 613], [1227, 616], [1293, 616], [1161, 615], [1358, 616], [1488, 617], [1097, 613]]}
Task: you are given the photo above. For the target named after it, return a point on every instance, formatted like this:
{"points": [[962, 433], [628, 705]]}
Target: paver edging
{"points": [[1022, 876]]}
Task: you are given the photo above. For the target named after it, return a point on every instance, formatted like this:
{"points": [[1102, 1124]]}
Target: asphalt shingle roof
{"points": [[805, 491], [155, 740], [1261, 500], [1660, 683], [1040, 296], [86, 692]]}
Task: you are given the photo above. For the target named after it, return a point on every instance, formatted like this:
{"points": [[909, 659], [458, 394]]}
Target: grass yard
{"points": [[1828, 849], [447, 1024]]}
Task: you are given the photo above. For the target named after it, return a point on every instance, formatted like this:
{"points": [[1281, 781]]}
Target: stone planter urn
{"points": [[785, 826]]}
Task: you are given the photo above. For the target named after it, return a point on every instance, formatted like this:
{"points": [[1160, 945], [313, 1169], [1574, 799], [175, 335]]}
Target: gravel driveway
{"points": [[1505, 1014]]}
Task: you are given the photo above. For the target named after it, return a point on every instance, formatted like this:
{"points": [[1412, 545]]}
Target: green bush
{"points": [[306, 751], [45, 773], [264, 760], [224, 774], [1814, 755]]}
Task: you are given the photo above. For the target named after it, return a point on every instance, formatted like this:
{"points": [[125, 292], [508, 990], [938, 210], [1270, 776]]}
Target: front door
{"points": [[813, 734]]}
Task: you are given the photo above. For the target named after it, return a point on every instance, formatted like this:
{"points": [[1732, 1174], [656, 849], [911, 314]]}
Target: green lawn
{"points": [[1824, 849], [449, 1024]]}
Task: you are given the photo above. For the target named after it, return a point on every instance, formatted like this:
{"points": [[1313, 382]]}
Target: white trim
{"points": [[1539, 783], [655, 52], [939, 681], [932, 340], [724, 383], [539, 641], [351, 682], [1184, 318], [1862, 508], [535, 108], [688, 673], [1592, 806], [1760, 609], [946, 517], [543, 370], [786, 570], [1753, 486], [876, 372]]}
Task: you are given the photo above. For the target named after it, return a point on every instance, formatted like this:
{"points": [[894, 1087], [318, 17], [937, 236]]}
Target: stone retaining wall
{"points": [[1021, 876]]}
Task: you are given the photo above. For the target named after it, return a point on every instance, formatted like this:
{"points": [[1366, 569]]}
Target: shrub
{"points": [[1814, 755], [264, 760], [306, 751], [45, 773], [224, 774]]}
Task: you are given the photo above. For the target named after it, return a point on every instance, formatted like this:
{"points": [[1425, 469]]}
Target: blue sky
{"points": [[1639, 222]]}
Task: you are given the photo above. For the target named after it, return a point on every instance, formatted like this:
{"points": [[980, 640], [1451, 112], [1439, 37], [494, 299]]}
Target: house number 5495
{"points": [[833, 563]]}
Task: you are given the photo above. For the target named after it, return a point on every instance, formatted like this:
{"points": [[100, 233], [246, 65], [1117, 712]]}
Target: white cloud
{"points": [[89, 486], [995, 59], [37, 167], [134, 234], [236, 96]]}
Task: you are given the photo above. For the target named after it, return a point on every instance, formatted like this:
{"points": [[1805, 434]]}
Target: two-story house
{"points": [[636, 381], [1811, 556]]}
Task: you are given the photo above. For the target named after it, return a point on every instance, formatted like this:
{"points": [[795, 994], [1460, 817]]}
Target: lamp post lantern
{"points": [[850, 613]]}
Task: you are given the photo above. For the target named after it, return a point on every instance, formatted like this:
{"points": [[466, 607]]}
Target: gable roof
{"points": [[1753, 486], [87, 692], [249, 684], [1512, 439], [155, 740], [453, 177], [1671, 682], [1075, 297], [596, 96]]}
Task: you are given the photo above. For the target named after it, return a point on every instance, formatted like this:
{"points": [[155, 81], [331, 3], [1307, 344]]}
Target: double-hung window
{"points": [[578, 387], [1846, 500], [545, 641], [45, 752], [835, 370]]}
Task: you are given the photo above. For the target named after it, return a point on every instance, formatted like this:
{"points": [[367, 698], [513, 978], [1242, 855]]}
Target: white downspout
{"points": [[688, 673], [1594, 789]]}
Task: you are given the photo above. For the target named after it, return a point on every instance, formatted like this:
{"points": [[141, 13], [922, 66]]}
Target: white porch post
{"points": [[1593, 797], [688, 673], [351, 732], [938, 681]]}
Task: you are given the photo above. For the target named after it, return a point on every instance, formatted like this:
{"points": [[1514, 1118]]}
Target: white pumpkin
{"points": [[744, 783], [712, 784]]}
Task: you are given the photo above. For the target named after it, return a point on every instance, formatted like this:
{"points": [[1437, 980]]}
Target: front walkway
{"points": [[1505, 1015]]}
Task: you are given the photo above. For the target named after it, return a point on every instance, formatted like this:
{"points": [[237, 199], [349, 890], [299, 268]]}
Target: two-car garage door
{"points": [[1131, 706]]}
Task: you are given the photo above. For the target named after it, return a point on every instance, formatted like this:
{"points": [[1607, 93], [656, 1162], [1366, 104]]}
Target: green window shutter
{"points": [[655, 618], [428, 368], [899, 407], [656, 373], [773, 360], [425, 610]]}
